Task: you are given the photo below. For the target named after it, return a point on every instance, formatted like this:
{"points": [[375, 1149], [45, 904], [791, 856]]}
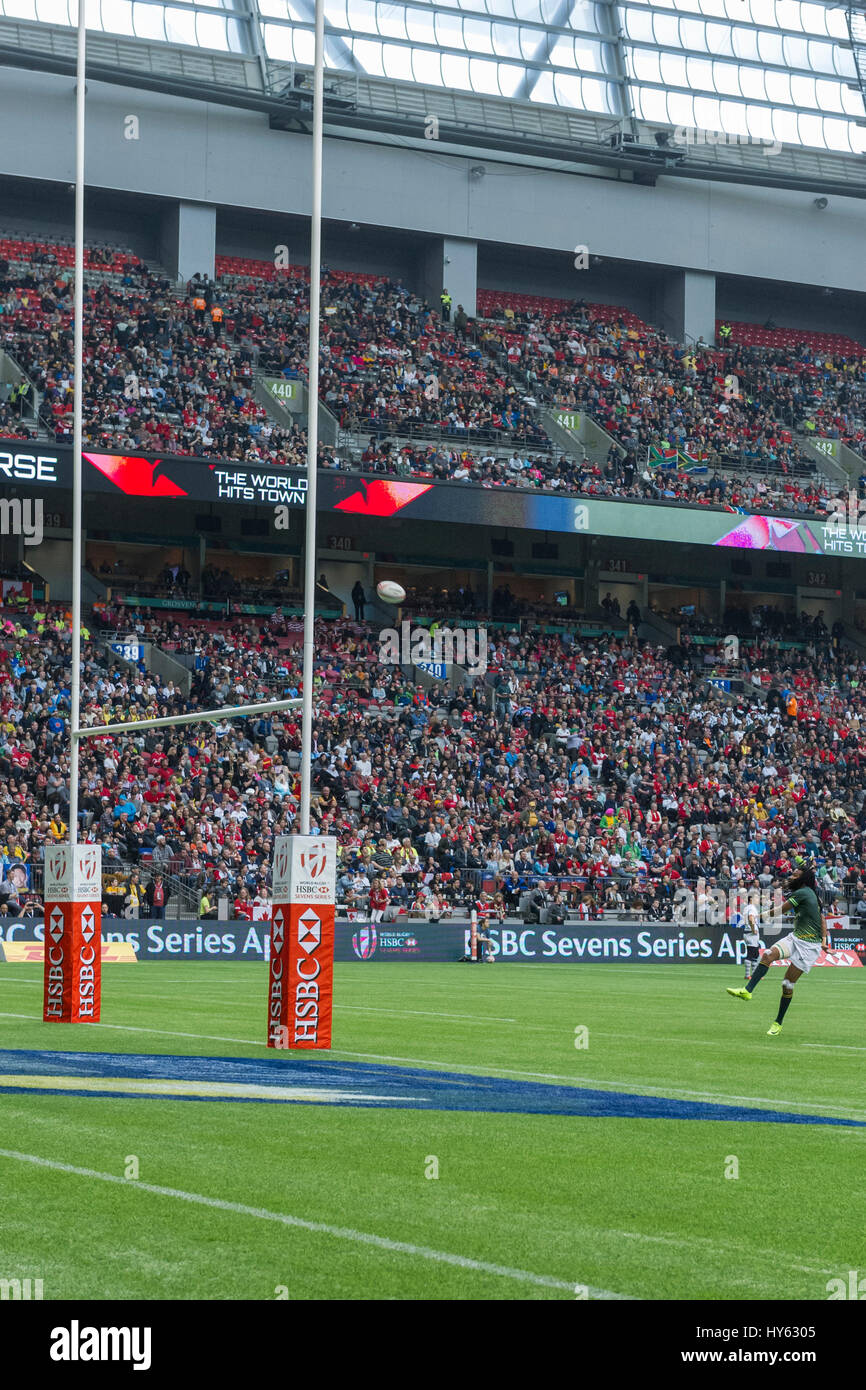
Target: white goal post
{"points": [[204, 716], [306, 700]]}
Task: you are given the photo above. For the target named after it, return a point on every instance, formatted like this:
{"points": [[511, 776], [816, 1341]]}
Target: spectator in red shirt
{"points": [[379, 899]]}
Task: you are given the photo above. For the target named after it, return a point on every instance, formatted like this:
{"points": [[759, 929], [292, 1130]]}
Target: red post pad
{"points": [[73, 934], [301, 971]]}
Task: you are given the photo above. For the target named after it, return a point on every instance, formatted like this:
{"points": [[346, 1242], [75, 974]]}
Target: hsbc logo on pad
{"points": [[315, 879], [309, 931], [278, 931], [73, 874], [88, 923], [306, 988], [301, 959], [54, 966], [58, 883], [305, 869]]}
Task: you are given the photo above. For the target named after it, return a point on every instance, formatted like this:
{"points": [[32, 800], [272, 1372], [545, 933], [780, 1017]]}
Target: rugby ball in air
{"points": [[390, 592]]}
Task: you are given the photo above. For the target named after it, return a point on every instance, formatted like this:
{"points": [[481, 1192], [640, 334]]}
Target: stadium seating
{"points": [[754, 335], [551, 770], [114, 259], [434, 399]]}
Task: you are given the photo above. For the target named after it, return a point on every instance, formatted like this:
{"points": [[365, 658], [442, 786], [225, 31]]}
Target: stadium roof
{"points": [[774, 70], [576, 96]]}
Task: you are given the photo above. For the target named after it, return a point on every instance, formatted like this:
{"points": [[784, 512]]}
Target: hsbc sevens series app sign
{"points": [[73, 934], [301, 971]]}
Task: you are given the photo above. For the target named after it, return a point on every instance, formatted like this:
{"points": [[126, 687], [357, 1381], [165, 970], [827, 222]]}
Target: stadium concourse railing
{"points": [[182, 889], [352, 425], [546, 914]]}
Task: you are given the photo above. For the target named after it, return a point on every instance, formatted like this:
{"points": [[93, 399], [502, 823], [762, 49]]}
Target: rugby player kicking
{"points": [[801, 947]]}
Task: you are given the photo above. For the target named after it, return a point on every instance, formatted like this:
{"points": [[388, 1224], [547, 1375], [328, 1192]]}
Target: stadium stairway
{"points": [[11, 375], [276, 408], [329, 429], [855, 640], [341, 576], [587, 441], [656, 629], [845, 469]]}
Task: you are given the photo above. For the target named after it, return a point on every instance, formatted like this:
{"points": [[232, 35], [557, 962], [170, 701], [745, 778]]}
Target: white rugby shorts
{"points": [[801, 953]]}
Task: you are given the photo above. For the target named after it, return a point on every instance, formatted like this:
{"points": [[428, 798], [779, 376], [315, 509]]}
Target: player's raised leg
{"points": [[757, 975]]}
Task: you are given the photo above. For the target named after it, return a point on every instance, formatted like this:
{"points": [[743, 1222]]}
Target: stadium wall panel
{"points": [[587, 942], [196, 152]]}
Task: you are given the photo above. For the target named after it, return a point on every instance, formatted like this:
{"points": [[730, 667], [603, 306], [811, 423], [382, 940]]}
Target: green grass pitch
{"points": [[315, 1201]]}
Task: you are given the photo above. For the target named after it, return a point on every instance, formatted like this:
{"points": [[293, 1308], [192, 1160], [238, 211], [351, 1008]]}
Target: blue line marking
{"points": [[372, 1086]]}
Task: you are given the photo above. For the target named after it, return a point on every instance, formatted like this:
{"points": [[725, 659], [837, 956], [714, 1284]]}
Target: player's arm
{"points": [[824, 942]]}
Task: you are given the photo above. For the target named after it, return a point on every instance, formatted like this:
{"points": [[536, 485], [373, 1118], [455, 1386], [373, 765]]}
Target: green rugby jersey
{"points": [[807, 914]]}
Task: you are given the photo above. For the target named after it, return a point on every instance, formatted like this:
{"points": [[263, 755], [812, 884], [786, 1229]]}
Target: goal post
{"points": [[72, 982], [165, 721]]}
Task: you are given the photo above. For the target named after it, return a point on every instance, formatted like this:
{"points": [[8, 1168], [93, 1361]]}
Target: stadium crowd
{"points": [[174, 373], [606, 771]]}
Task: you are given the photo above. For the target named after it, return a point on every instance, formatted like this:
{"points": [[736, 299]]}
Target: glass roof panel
{"points": [[764, 66]]}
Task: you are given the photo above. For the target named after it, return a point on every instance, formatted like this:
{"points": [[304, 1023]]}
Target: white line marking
{"points": [[423, 1013], [203, 1003], [715, 1247], [159, 1032], [396, 1247], [836, 1047], [199, 1090]]}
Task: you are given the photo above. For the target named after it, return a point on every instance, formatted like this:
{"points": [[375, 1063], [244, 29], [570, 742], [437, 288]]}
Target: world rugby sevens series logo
{"points": [[364, 943], [314, 860], [58, 861], [282, 860], [88, 867]]}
